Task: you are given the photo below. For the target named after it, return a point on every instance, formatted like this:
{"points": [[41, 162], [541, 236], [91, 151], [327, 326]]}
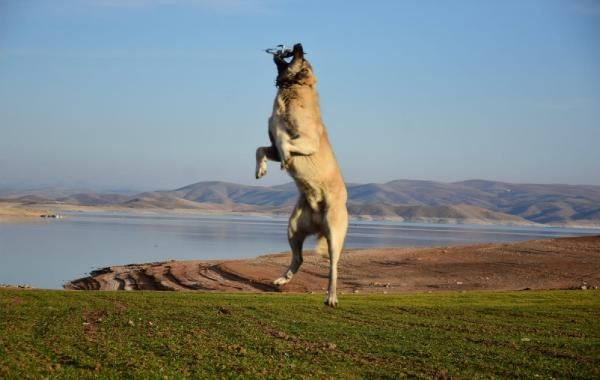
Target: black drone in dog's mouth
{"points": [[281, 51]]}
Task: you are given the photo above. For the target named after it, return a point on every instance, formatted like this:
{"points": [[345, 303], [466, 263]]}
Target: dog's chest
{"points": [[311, 192], [280, 131], [284, 109], [277, 128]]}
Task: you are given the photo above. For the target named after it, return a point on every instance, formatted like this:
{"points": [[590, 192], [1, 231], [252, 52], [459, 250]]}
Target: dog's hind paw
{"points": [[331, 300], [281, 281]]}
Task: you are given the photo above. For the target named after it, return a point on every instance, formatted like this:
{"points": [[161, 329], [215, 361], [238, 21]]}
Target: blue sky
{"points": [[150, 94]]}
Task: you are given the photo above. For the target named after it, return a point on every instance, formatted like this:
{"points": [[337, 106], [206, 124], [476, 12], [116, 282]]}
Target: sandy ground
{"points": [[562, 263], [13, 211]]}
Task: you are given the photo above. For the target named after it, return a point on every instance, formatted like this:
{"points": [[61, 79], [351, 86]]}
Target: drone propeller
{"points": [[281, 51]]}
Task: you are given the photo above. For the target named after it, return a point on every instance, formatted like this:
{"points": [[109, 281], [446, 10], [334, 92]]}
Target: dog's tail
{"points": [[322, 248]]}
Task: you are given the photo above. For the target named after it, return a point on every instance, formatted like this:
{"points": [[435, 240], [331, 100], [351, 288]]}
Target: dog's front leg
{"points": [[263, 154], [298, 146], [285, 154]]}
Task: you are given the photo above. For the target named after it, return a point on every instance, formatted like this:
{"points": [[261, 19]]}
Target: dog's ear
{"points": [[298, 51]]}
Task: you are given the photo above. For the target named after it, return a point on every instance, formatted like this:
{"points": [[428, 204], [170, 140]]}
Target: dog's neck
{"points": [[287, 83]]}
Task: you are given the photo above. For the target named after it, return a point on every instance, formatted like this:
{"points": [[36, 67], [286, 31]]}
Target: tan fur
{"points": [[301, 143], [321, 247]]}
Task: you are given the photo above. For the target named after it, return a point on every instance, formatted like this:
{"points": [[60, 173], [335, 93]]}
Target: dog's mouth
{"points": [[288, 58], [284, 56], [289, 62]]}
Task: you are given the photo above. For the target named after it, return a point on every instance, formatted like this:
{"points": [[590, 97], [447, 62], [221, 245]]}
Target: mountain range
{"points": [[472, 201]]}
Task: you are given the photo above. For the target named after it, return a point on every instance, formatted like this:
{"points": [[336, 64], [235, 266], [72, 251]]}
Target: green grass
{"points": [[158, 334]]}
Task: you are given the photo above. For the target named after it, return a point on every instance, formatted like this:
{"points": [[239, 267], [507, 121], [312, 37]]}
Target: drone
{"points": [[281, 51]]}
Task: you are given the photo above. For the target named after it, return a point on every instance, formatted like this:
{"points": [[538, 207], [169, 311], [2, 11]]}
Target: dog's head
{"points": [[298, 71]]}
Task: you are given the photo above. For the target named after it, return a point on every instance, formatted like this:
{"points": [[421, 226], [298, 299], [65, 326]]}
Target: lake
{"points": [[47, 253]]}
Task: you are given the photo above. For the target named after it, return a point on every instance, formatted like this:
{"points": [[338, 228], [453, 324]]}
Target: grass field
{"points": [[174, 335]]}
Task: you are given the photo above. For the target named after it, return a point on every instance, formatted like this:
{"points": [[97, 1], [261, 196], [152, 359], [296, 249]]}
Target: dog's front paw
{"points": [[281, 281], [331, 300], [286, 164], [261, 170]]}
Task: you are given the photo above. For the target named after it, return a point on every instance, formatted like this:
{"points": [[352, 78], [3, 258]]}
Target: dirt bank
{"points": [[14, 211], [539, 264]]}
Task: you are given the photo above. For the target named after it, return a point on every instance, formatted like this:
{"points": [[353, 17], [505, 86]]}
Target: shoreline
{"points": [[559, 263], [14, 212]]}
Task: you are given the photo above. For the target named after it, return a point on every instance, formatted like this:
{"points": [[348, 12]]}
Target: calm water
{"points": [[49, 252]]}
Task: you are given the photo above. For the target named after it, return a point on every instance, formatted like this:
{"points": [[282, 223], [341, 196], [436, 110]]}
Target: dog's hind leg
{"points": [[336, 225], [300, 226], [263, 154]]}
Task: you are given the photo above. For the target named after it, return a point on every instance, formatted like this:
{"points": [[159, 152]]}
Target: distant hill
{"points": [[230, 193], [433, 214], [473, 201]]}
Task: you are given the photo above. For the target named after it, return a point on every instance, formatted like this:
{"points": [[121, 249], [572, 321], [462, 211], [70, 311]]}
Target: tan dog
{"points": [[299, 141]]}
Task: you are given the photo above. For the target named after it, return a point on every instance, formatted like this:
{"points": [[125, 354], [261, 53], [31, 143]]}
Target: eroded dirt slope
{"points": [[540, 264]]}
